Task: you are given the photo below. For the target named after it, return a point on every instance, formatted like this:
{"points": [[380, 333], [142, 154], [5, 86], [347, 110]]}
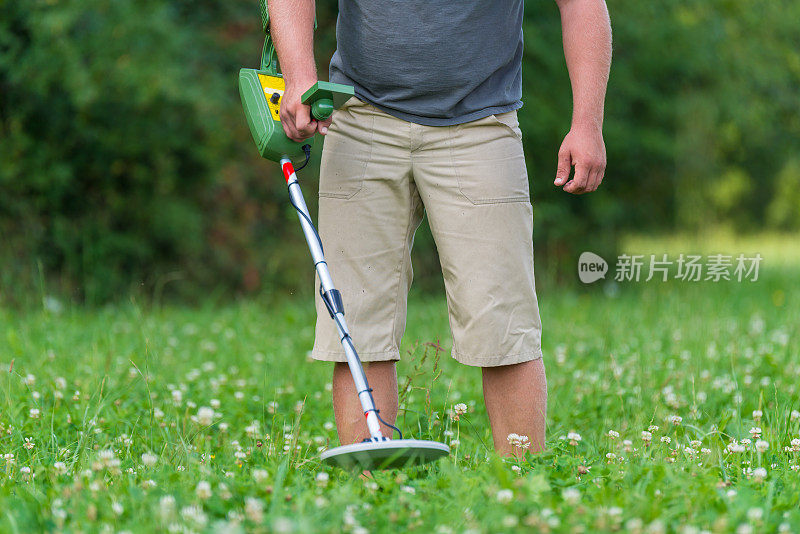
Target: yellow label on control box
{"points": [[272, 85]]}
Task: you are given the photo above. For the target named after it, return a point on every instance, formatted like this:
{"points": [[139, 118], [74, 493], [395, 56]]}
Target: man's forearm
{"points": [[292, 29], [587, 47]]}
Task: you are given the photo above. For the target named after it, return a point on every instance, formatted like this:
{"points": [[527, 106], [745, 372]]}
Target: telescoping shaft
{"points": [[332, 299]]}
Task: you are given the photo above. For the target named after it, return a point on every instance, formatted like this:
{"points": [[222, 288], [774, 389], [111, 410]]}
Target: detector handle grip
{"points": [[324, 97]]}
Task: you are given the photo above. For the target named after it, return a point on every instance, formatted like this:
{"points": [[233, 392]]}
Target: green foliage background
{"points": [[126, 164]]}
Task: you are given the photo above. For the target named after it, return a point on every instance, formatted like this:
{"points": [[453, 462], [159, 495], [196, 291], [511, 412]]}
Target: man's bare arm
{"points": [[292, 29], [587, 47]]}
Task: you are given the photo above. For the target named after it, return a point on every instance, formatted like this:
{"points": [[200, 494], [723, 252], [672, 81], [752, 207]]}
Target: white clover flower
{"points": [[260, 475], [149, 483], [504, 496], [733, 446], [205, 415], [755, 514], [656, 527], [634, 525], [696, 443], [224, 492], [60, 382], [757, 414], [518, 441], [761, 445], [666, 439], [652, 428], [759, 474], [322, 478], [516, 468], [408, 489], [573, 438], [215, 403], [795, 444], [795, 415], [60, 467], [203, 490], [194, 514], [460, 408], [29, 444], [613, 434], [34, 413], [675, 419], [177, 397], [755, 432], [117, 508], [158, 413], [571, 496], [106, 456], [510, 521], [29, 380], [149, 460], [646, 436], [611, 456], [627, 445]]}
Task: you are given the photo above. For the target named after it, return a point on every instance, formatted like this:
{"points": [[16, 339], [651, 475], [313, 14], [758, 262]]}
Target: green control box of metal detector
{"points": [[262, 90]]}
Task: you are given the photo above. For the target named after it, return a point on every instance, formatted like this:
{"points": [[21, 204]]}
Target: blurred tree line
{"points": [[126, 164]]}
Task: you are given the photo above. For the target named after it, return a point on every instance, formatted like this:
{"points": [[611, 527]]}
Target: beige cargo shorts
{"points": [[379, 176]]}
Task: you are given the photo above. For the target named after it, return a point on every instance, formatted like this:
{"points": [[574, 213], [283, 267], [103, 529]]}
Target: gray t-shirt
{"points": [[432, 62]]}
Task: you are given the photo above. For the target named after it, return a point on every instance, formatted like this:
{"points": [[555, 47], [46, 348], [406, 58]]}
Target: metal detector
{"points": [[261, 91]]}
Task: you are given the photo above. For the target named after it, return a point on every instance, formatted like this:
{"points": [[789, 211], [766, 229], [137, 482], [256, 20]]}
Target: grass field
{"points": [[672, 408]]}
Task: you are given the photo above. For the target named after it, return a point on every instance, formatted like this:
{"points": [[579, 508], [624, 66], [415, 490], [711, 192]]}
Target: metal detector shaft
{"points": [[334, 303]]}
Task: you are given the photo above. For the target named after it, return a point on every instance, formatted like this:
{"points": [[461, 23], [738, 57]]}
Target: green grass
{"points": [[103, 383]]}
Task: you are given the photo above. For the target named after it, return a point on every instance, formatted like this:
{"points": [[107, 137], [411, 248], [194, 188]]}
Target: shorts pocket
{"points": [[346, 153], [488, 160], [508, 120]]}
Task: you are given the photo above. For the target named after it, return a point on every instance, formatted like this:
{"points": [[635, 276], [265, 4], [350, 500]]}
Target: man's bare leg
{"points": [[350, 422], [516, 400]]}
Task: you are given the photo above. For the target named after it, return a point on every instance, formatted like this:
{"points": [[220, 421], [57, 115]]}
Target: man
{"points": [[433, 129]]}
